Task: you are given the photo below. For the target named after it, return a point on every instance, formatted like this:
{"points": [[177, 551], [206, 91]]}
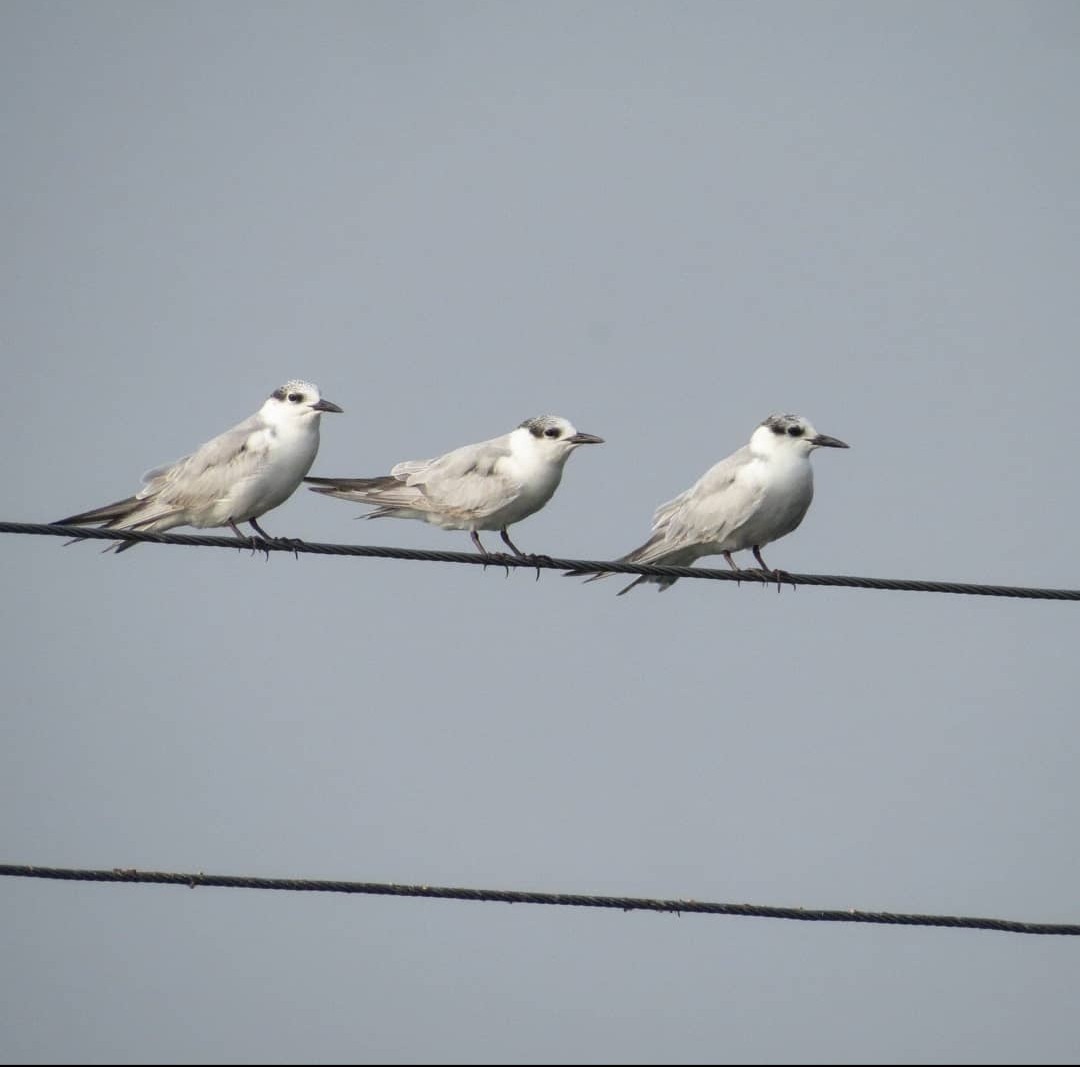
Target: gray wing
{"points": [[212, 470], [716, 505], [470, 481]]}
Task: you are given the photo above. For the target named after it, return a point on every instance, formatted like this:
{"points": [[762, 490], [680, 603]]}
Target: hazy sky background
{"points": [[664, 222]]}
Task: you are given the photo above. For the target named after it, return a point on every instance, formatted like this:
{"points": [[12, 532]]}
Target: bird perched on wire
{"points": [[755, 496], [485, 486], [235, 477]]}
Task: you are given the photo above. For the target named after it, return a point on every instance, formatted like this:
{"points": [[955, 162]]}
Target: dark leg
{"points": [[731, 564], [513, 548], [483, 551], [522, 555], [291, 542], [246, 542], [778, 575]]}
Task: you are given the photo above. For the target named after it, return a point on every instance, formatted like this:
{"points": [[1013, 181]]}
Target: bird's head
{"points": [[790, 433], [553, 437], [296, 400]]}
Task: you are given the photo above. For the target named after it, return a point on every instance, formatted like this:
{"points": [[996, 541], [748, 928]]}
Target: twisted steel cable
{"points": [[505, 896], [539, 562]]}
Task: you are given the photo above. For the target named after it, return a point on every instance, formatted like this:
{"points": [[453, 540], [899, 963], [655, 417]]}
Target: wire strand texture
{"points": [[505, 896], [539, 562]]}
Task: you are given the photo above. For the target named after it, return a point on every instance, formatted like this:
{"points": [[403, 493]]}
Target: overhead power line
{"points": [[580, 567], [537, 562], [505, 896]]}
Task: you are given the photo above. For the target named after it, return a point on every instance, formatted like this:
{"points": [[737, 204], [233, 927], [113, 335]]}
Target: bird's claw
{"points": [[497, 559], [293, 543], [779, 577], [538, 558]]}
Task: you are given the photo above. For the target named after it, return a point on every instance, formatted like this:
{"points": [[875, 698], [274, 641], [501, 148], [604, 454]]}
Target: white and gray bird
{"points": [[235, 477], [753, 497], [486, 486]]}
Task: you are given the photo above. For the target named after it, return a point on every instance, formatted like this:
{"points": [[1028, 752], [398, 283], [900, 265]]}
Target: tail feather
{"points": [[649, 552], [122, 516], [150, 523], [109, 513], [362, 490], [663, 583], [660, 583], [355, 485], [390, 495]]}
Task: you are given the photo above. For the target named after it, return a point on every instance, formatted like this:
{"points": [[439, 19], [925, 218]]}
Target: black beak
{"points": [[326, 405], [585, 439], [828, 442]]}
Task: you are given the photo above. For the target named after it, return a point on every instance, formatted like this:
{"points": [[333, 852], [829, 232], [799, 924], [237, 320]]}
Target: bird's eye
{"points": [[295, 398], [795, 431], [552, 431]]}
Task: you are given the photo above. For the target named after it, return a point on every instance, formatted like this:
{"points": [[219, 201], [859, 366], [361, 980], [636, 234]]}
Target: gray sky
{"points": [[664, 222]]}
